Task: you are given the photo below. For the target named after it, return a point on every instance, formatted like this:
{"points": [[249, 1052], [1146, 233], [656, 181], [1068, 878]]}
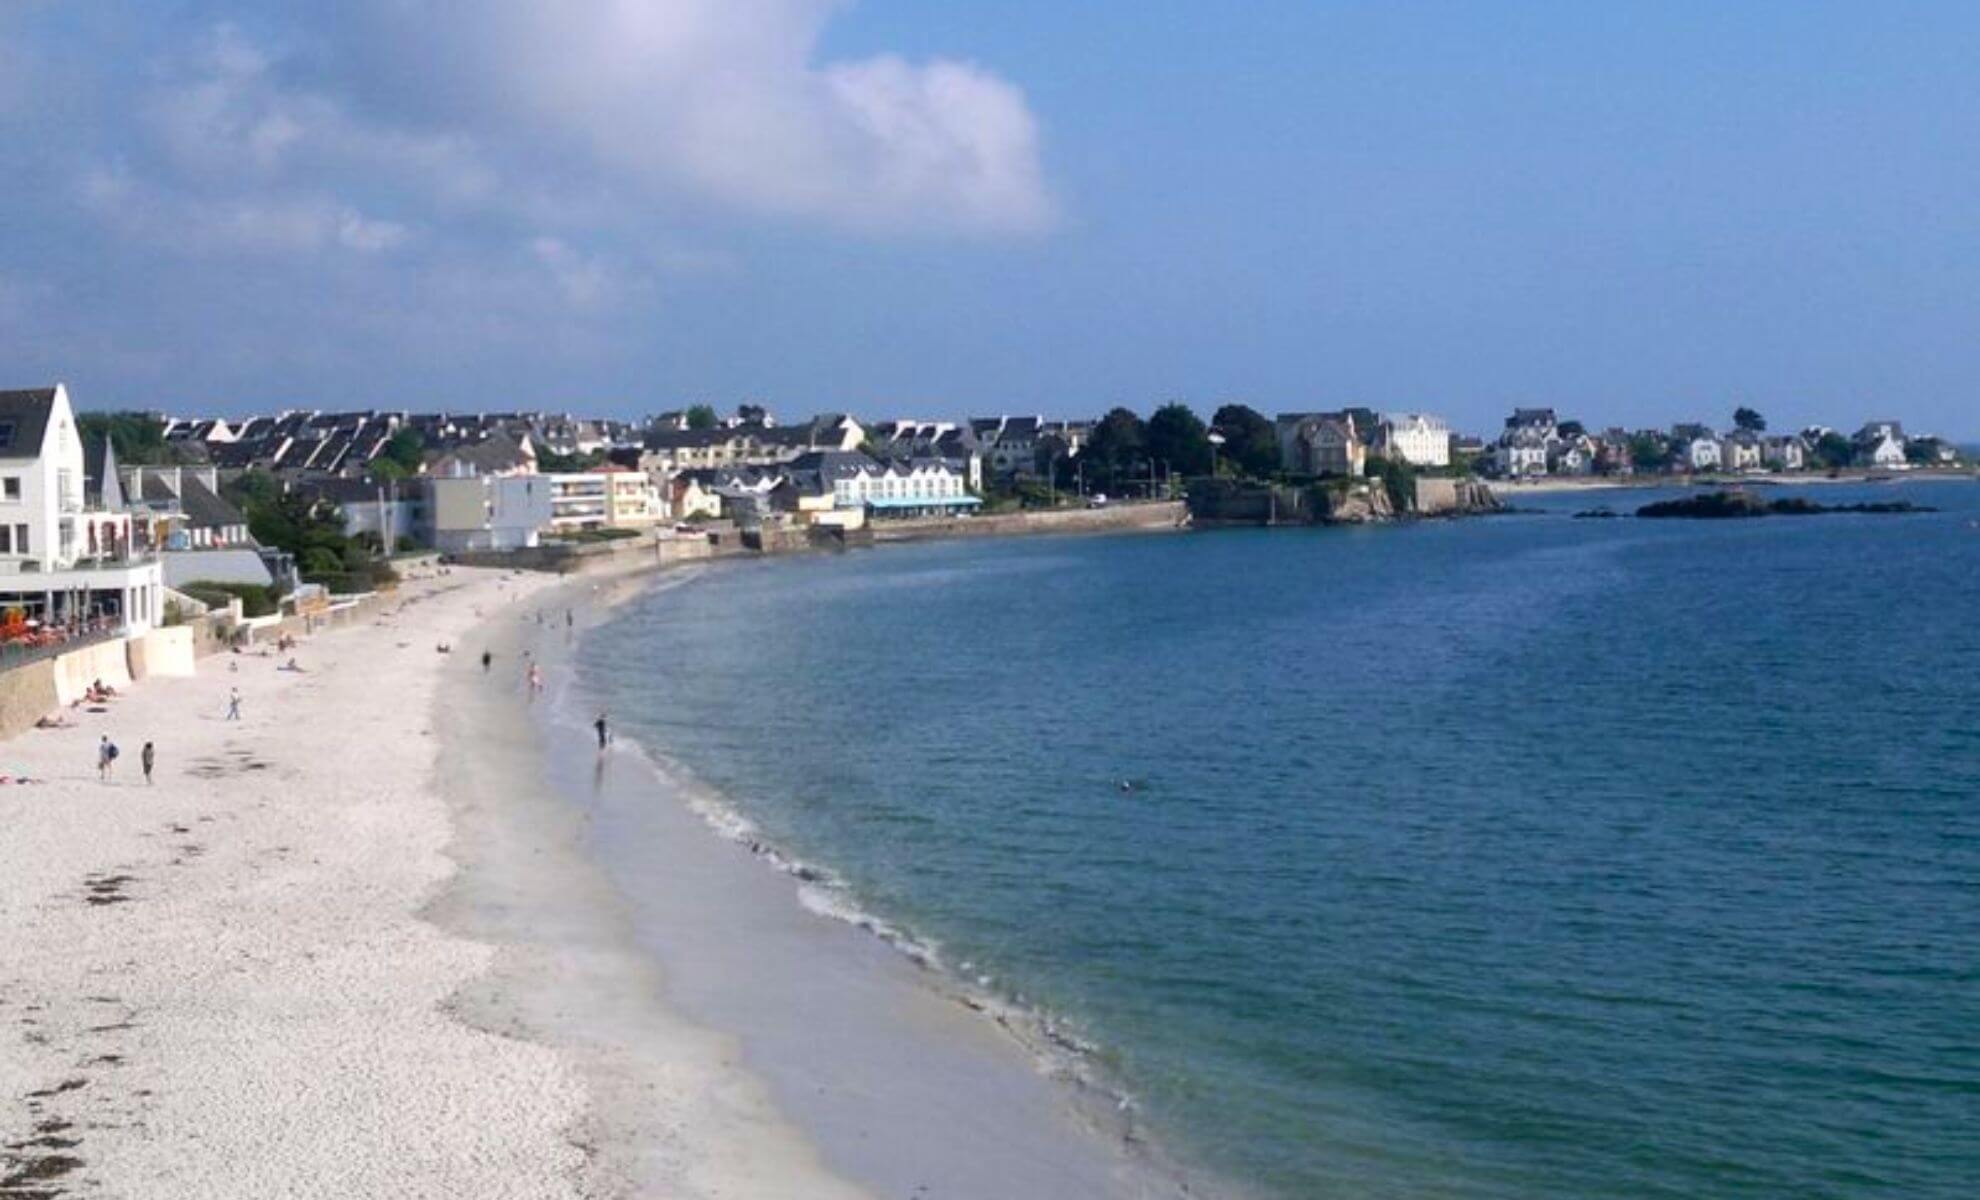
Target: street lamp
{"points": [[1216, 440]]}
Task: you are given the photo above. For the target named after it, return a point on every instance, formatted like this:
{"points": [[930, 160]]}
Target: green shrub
{"points": [[256, 599]]}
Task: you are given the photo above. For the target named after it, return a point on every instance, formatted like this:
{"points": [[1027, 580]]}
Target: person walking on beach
{"points": [[535, 681], [147, 757], [487, 661], [233, 704], [604, 728], [106, 754]]}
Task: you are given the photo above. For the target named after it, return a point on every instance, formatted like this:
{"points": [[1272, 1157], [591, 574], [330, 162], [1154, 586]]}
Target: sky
{"points": [[1637, 211]]}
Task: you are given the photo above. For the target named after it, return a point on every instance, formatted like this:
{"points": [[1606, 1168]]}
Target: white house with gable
{"points": [[65, 564]]}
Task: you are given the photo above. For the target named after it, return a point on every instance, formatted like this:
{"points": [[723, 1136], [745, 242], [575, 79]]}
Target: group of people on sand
{"points": [[107, 754]]}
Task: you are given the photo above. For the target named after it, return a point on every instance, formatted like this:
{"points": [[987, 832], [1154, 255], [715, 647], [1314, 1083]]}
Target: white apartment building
{"points": [[605, 498], [1418, 439], [63, 563]]}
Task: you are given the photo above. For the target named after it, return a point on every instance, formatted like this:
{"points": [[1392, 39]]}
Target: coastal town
{"points": [[130, 520]]}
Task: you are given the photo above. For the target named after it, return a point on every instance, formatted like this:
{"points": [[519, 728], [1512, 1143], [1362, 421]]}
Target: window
{"points": [[6, 539], [10, 488], [6, 434], [21, 539]]}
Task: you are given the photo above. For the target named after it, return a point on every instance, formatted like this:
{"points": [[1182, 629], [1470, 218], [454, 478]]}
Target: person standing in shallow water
{"points": [[487, 661], [604, 728], [146, 758]]}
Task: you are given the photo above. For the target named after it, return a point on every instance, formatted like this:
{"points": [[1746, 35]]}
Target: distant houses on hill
{"points": [[510, 479], [1536, 444]]}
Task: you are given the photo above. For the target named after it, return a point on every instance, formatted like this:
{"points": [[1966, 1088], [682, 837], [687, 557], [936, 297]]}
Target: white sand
{"points": [[287, 991]]}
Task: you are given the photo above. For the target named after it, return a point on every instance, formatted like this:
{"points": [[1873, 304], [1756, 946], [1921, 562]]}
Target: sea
{"points": [[1528, 856]]}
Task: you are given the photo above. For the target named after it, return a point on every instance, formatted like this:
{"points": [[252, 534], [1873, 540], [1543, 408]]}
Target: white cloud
{"points": [[355, 231], [584, 281], [256, 224], [723, 99]]}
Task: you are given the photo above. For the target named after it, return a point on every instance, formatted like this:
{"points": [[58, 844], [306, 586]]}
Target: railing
{"points": [[48, 643], [34, 565]]}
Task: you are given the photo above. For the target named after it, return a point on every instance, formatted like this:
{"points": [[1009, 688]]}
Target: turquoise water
{"points": [[1527, 857]]}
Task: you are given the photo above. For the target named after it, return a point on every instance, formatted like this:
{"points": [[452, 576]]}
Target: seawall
{"points": [[1156, 517], [34, 690]]}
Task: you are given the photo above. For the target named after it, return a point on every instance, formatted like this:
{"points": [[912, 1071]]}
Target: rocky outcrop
{"points": [[1220, 502], [1441, 497], [1361, 502], [1738, 504]]}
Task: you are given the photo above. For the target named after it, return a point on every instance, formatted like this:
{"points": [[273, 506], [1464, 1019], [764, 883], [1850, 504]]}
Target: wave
{"points": [[1053, 1043]]}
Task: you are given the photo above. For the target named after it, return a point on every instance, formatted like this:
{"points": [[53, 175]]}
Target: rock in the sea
{"points": [[1718, 505]]}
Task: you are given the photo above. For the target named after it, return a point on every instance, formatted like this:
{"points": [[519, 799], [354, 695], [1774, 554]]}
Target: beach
{"points": [[356, 943], [254, 977]]}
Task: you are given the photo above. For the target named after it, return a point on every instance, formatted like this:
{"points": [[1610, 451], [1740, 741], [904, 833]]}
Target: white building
{"points": [[1881, 444], [486, 512], [1520, 454], [1785, 453], [1418, 439], [63, 563], [836, 482], [1572, 456], [1699, 453], [1741, 451], [604, 498]]}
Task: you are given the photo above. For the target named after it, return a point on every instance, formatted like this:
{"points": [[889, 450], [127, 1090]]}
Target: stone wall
{"points": [[1115, 518], [162, 652], [1451, 497], [75, 671], [27, 694]]}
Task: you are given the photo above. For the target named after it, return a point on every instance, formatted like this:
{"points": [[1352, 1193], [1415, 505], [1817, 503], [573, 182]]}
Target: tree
{"points": [[1251, 443], [1834, 451], [1118, 444], [1572, 429], [137, 438], [1398, 480], [701, 416], [404, 448], [1176, 438], [385, 470], [1649, 452], [552, 463], [1749, 420]]}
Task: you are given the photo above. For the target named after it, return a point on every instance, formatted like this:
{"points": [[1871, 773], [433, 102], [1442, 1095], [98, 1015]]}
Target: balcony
{"points": [[35, 565], [21, 645]]}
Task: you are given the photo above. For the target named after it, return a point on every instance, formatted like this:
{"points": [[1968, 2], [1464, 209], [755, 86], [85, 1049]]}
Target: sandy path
{"points": [[220, 985]]}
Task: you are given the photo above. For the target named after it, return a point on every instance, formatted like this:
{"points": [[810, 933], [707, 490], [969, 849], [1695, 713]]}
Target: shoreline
{"points": [[890, 1070], [668, 1110], [373, 910]]}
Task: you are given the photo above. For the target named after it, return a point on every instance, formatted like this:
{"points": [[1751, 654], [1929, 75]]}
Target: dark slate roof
{"points": [[496, 452], [26, 415], [205, 509], [334, 489], [234, 455], [832, 464]]}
